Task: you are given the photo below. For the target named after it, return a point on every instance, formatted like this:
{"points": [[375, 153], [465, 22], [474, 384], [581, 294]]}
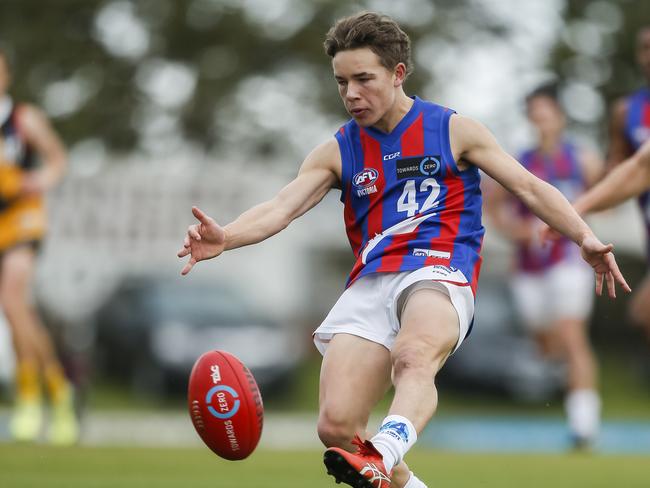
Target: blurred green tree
{"points": [[103, 68]]}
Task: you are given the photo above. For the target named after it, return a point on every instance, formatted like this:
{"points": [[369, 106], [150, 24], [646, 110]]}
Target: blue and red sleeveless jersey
{"points": [[563, 171], [637, 131], [406, 204]]}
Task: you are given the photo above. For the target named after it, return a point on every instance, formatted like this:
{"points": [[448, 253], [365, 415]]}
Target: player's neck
{"points": [[395, 114], [549, 144]]}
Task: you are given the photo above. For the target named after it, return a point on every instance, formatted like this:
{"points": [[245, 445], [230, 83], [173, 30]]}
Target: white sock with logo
{"points": [[583, 413], [395, 437], [414, 482]]}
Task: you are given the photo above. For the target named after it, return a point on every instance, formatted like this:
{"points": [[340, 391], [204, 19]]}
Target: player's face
{"points": [[546, 116], [4, 75], [366, 87], [643, 52]]}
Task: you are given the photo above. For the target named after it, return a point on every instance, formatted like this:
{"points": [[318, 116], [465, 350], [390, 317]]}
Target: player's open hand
{"points": [[600, 257], [205, 240]]}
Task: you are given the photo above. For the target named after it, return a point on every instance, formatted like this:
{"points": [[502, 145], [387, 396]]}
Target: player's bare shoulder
{"points": [[468, 136], [325, 157]]}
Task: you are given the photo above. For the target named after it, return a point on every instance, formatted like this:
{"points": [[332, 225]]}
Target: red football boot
{"points": [[363, 469]]}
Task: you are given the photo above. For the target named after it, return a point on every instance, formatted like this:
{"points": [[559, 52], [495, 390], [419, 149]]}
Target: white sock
{"points": [[583, 413], [395, 437], [414, 482]]}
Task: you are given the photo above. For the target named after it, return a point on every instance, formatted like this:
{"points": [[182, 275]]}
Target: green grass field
{"points": [[46, 467]]}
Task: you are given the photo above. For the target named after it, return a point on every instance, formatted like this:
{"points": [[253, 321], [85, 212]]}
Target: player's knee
{"points": [[414, 359], [334, 430]]}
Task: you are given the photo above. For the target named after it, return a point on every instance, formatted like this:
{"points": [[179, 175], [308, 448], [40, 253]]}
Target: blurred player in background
{"points": [[409, 174], [629, 130], [32, 160], [552, 285]]}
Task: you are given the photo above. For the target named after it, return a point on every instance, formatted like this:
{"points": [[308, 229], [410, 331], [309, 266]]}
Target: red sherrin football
{"points": [[225, 405]]}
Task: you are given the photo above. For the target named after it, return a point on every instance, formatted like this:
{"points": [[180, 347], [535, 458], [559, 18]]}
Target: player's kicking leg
{"points": [[429, 331], [355, 375]]}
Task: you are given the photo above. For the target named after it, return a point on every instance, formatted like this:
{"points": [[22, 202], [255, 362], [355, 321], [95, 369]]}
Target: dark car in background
{"points": [[500, 356], [151, 330]]}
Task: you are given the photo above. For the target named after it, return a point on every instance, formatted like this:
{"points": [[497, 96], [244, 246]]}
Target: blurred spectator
{"points": [[629, 130], [26, 138], [552, 286]]}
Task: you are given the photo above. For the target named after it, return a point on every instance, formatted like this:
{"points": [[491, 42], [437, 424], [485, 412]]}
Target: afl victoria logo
{"points": [[365, 177], [222, 401]]}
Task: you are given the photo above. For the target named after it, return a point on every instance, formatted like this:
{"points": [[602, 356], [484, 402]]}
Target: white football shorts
{"points": [[371, 307], [563, 291]]}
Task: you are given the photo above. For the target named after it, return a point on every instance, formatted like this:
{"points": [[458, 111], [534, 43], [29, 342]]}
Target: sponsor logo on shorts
{"points": [[417, 167], [222, 401]]}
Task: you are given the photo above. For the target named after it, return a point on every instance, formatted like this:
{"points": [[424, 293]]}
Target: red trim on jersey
{"points": [[372, 159], [413, 139], [356, 269], [342, 130], [412, 143], [353, 230], [645, 118], [563, 166], [457, 283], [450, 221], [477, 269]]}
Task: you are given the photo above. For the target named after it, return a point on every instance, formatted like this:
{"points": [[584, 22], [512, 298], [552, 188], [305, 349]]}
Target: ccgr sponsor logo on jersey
{"points": [[222, 401], [417, 167], [365, 181]]}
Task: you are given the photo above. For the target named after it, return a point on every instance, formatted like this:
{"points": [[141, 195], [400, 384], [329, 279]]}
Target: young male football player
{"points": [[552, 286], [629, 130], [27, 139], [408, 171]]}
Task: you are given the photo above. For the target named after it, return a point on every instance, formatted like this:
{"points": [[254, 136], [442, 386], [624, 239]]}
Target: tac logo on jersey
{"points": [[417, 167], [365, 181]]}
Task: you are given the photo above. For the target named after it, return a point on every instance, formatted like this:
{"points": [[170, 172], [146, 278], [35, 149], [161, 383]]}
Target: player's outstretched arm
{"points": [[628, 179], [473, 143], [318, 174]]}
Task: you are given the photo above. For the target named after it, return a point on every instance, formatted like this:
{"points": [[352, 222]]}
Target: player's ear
{"points": [[399, 74]]}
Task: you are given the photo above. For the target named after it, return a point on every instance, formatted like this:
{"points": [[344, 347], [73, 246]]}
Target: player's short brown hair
{"points": [[378, 32]]}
